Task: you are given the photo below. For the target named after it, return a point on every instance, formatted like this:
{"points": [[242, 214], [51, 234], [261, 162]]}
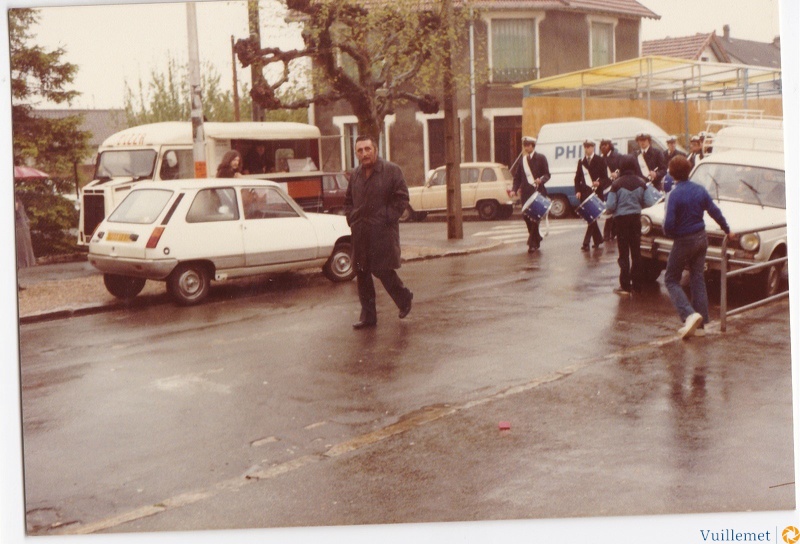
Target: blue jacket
{"points": [[686, 204], [628, 196]]}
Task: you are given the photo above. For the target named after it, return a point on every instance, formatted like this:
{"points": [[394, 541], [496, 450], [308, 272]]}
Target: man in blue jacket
{"points": [[625, 201], [685, 208]]}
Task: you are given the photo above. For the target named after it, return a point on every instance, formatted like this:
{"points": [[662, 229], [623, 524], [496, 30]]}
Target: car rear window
{"points": [[213, 205], [141, 207]]}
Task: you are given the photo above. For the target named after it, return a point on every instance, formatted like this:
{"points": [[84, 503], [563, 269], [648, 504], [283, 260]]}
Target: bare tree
{"points": [[372, 54]]}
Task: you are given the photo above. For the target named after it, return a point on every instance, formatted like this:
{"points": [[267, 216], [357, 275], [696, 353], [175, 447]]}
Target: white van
{"points": [[562, 145], [766, 136], [164, 151]]}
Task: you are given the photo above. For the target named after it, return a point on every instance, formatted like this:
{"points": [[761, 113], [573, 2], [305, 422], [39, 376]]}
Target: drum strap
{"points": [[643, 165], [527, 167], [587, 178]]}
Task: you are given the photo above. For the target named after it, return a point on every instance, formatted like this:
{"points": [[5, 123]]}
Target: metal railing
{"points": [[724, 275]]}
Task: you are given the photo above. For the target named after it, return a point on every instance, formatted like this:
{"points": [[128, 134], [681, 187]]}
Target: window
{"points": [[177, 164], [213, 205], [138, 164], [141, 207], [513, 50], [602, 36], [488, 175], [265, 202]]}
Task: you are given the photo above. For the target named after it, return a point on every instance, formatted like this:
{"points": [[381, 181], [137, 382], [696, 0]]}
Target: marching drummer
{"points": [[612, 158], [591, 178], [529, 179]]}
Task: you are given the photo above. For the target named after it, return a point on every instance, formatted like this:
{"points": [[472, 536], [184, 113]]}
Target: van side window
{"points": [[213, 205], [177, 164], [488, 174]]}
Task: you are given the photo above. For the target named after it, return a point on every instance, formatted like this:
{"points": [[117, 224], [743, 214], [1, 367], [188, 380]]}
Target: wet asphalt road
{"points": [[161, 413]]}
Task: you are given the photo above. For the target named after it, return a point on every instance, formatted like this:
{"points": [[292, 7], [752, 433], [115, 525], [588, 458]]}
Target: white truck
{"points": [[562, 145], [163, 152]]}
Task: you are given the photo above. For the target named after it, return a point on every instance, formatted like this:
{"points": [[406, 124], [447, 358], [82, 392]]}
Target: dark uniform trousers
{"points": [[629, 232]]}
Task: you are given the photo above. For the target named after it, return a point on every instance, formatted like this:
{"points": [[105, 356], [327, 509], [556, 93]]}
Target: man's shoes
{"points": [[533, 249], [585, 247], [597, 246], [364, 324], [690, 325], [407, 308], [621, 291]]}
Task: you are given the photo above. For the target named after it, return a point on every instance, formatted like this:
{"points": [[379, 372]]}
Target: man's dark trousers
{"points": [[629, 232], [366, 292]]}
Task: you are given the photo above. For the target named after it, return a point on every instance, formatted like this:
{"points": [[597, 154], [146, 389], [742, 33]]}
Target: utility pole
{"points": [[255, 68], [236, 115], [452, 144], [196, 98]]}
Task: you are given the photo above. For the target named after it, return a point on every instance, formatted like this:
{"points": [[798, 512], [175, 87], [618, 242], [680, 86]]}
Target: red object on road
{"points": [[505, 425]]}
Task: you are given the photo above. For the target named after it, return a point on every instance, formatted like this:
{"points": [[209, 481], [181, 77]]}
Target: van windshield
{"points": [[748, 184], [138, 164]]}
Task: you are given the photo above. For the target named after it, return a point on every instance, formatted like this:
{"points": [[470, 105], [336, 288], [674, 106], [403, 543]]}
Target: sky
{"points": [[119, 45]]}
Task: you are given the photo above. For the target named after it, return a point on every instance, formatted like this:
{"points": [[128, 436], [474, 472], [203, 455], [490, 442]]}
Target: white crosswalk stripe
{"points": [[510, 234]]}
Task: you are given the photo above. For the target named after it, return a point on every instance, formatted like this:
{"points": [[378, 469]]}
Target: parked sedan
{"points": [[485, 186], [749, 187], [188, 232]]}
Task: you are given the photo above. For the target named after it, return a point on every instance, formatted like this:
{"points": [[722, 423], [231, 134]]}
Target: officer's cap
{"points": [[588, 143], [528, 140], [672, 139], [643, 136]]}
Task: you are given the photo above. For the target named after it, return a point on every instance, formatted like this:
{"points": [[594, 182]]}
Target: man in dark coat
{"points": [[672, 150], [530, 177], [650, 161], [376, 197], [593, 167], [612, 158]]}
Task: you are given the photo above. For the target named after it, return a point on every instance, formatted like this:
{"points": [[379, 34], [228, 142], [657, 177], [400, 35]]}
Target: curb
{"points": [[148, 300]]}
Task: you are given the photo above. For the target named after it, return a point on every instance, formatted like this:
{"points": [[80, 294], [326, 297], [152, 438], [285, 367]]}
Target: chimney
{"points": [[726, 32]]}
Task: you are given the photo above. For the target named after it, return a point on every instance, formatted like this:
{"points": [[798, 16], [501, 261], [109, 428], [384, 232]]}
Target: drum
{"points": [[591, 208], [653, 194], [536, 207]]}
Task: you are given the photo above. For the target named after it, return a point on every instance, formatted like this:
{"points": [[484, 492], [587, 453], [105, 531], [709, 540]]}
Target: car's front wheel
{"points": [[189, 283], [340, 267], [769, 281], [650, 269], [123, 287]]}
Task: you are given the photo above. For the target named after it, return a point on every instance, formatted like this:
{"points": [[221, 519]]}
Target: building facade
{"points": [[514, 41]]}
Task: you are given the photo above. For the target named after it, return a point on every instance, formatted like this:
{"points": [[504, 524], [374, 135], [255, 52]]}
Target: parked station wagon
{"points": [[188, 232], [485, 186], [749, 187]]}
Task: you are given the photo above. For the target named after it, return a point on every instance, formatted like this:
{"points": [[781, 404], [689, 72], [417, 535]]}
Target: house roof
{"points": [[753, 53], [625, 8], [100, 123], [686, 47], [726, 48]]}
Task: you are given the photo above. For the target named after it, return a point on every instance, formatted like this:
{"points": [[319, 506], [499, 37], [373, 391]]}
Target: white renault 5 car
{"points": [[188, 232], [485, 186], [749, 187]]}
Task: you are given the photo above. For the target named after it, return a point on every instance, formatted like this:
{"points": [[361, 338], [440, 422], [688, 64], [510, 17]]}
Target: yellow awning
{"points": [[663, 75]]}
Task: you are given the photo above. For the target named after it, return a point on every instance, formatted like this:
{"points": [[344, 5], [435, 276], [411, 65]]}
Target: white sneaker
{"points": [[690, 325]]}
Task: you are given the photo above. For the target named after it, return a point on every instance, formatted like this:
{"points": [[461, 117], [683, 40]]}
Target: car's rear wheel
{"points": [[506, 211], [189, 283], [123, 287], [488, 210], [560, 208], [339, 267]]}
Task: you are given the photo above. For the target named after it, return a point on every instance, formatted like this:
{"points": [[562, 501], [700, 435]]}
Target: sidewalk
{"points": [[65, 289]]}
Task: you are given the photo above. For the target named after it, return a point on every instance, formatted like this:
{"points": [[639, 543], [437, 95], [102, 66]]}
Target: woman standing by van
{"points": [[231, 165]]}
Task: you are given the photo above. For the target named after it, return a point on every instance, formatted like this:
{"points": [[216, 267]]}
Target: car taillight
{"points": [[155, 237]]}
